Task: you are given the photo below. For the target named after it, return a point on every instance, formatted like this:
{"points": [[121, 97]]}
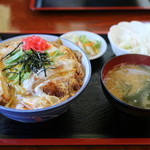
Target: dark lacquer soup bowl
{"points": [[43, 114], [127, 98]]}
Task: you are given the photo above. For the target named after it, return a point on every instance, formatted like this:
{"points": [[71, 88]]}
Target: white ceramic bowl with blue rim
{"points": [[43, 114], [90, 36]]}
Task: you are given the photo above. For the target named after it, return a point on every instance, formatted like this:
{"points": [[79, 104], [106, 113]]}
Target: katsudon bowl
{"points": [[47, 113]]}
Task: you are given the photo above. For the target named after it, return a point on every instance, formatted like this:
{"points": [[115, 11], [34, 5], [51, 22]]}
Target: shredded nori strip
{"points": [[12, 50], [45, 69], [23, 69], [42, 63]]}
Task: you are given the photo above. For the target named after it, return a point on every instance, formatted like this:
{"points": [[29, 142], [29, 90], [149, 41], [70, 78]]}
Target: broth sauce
{"points": [[130, 83]]}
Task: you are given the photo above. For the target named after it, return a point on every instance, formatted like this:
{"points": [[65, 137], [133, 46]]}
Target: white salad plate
{"points": [[90, 36]]}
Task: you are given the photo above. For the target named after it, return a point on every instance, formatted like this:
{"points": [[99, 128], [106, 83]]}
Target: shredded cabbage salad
{"points": [[133, 37]]}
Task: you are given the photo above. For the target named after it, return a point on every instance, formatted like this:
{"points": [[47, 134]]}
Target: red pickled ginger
{"points": [[35, 43]]}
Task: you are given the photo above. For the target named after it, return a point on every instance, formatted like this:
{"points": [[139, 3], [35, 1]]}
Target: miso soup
{"points": [[130, 83]]}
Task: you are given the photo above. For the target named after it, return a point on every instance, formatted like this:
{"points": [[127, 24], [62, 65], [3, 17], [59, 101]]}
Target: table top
{"points": [[17, 17]]}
